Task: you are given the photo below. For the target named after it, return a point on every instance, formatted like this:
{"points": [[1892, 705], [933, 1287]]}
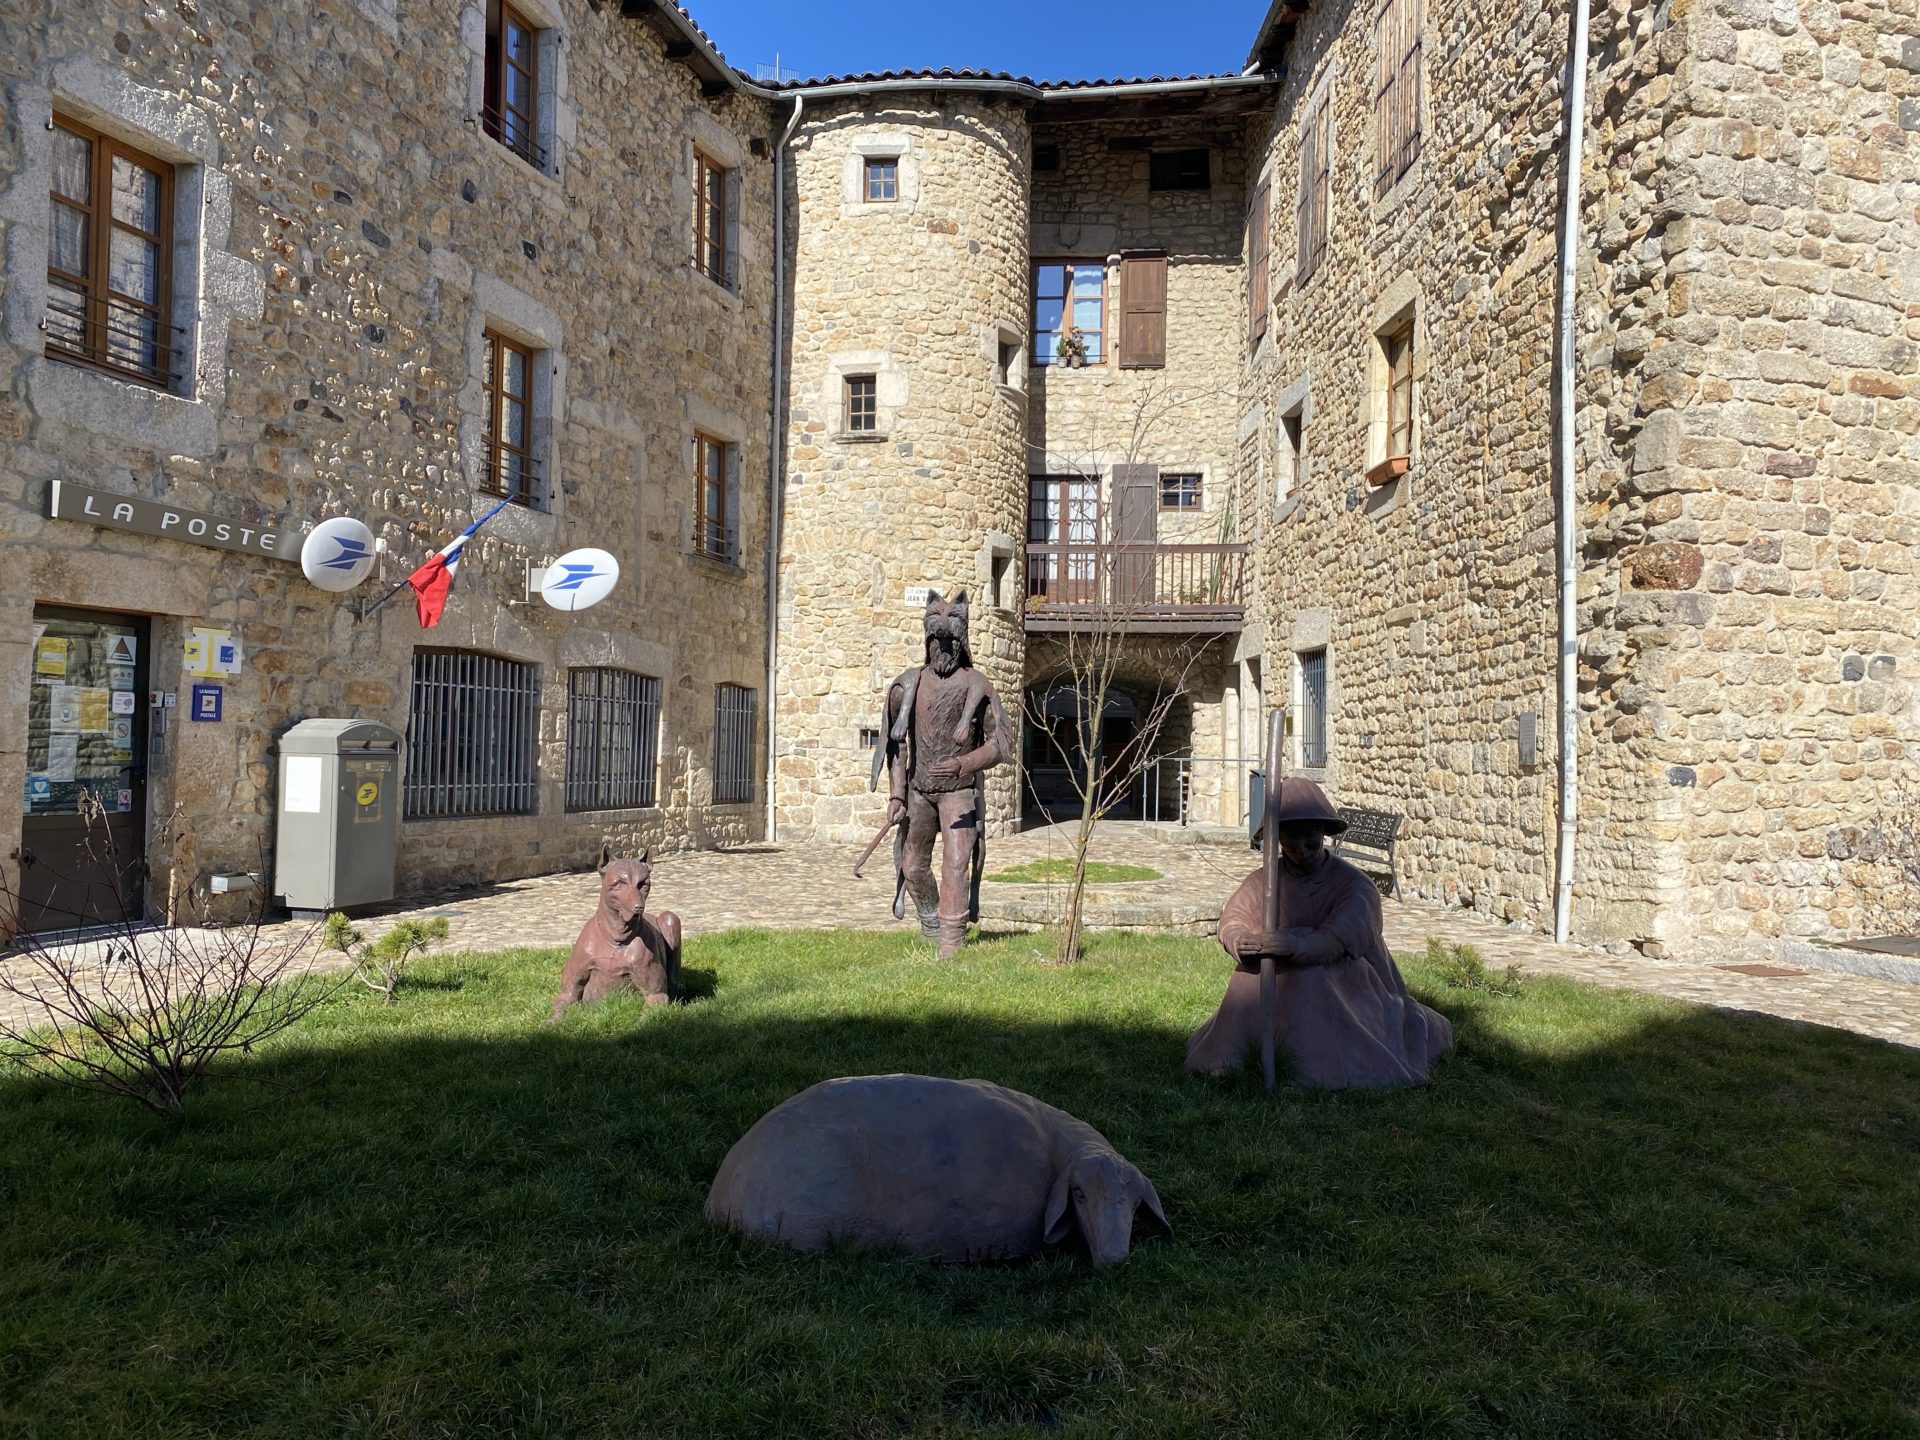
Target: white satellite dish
{"points": [[338, 554], [579, 579]]}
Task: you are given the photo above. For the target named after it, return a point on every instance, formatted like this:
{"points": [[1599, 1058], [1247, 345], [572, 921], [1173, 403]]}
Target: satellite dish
{"points": [[579, 579], [337, 554]]}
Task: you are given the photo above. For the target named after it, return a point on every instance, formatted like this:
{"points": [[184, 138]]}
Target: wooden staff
{"points": [[1270, 868]]}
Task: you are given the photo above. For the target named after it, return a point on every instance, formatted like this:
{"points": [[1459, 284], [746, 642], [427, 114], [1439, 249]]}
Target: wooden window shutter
{"points": [[1143, 312], [1257, 253]]}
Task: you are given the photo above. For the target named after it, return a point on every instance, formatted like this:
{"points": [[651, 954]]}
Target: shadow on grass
{"points": [[1608, 1216]]}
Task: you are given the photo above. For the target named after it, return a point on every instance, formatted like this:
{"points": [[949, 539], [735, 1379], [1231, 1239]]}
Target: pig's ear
{"points": [[645, 857], [606, 854], [1058, 1224], [1150, 1198]]}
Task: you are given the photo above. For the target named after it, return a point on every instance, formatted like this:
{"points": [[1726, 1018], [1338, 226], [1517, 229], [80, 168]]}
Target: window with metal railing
{"points": [[716, 517], [1313, 708], [712, 255], [613, 739], [510, 106], [513, 468], [733, 737], [472, 736], [109, 292]]}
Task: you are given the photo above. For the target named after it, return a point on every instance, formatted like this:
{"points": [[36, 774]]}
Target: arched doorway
{"points": [[1058, 730]]}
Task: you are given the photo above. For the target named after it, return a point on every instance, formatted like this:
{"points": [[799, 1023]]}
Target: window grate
{"points": [[472, 736], [1313, 709], [733, 732], [613, 739]]}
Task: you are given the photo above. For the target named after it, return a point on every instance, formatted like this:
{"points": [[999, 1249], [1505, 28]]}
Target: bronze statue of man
{"points": [[944, 728]]}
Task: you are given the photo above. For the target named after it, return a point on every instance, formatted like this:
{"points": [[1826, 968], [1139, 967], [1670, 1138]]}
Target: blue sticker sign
{"points": [[206, 702]]}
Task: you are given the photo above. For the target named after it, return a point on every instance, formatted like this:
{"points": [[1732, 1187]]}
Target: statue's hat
{"points": [[1301, 802]]}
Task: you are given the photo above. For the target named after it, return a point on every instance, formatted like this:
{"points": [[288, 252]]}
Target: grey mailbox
{"points": [[338, 816]]}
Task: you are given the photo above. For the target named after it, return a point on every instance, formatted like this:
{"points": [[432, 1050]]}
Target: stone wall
{"points": [[919, 292], [1098, 204], [1755, 621], [355, 232], [1433, 594]]}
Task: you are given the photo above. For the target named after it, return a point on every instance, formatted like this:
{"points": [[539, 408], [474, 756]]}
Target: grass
{"points": [[1610, 1216], [1099, 872]]}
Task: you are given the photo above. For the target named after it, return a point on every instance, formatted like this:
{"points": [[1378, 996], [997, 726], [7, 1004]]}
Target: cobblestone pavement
{"points": [[801, 887]]}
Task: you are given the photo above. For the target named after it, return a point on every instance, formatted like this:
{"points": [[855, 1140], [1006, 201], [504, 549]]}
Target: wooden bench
{"points": [[1368, 843]]}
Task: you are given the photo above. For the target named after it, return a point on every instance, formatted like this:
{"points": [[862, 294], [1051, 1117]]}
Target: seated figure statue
{"points": [[1345, 1017]]}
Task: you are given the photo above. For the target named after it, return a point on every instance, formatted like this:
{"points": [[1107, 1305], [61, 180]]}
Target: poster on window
{"points": [[63, 709], [63, 756], [120, 735], [123, 702], [93, 711], [120, 677], [50, 655]]}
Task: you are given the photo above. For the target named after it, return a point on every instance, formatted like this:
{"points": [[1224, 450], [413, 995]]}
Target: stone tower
{"points": [[906, 426]]}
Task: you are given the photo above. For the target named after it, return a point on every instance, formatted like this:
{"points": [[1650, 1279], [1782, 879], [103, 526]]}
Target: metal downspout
{"points": [[1574, 116], [775, 449]]}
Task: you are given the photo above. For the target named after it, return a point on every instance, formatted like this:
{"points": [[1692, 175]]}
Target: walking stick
{"points": [[1270, 866]]}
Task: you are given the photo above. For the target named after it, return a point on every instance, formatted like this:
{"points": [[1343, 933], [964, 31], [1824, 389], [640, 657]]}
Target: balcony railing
{"points": [[1136, 586]]}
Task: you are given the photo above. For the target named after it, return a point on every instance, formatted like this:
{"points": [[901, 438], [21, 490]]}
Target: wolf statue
{"points": [[944, 727]]}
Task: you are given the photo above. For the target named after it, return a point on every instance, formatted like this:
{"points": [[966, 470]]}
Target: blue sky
{"points": [[1062, 40]]}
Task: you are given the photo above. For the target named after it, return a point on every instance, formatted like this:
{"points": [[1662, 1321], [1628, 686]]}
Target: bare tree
{"points": [[141, 1013], [1107, 586]]}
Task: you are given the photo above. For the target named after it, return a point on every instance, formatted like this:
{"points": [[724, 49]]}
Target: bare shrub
{"points": [[142, 1012]]}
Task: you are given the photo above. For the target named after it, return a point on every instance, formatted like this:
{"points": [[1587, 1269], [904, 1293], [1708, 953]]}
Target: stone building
{"points": [[1256, 371]]}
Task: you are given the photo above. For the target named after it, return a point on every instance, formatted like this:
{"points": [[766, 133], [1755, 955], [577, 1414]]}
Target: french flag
{"points": [[433, 581]]}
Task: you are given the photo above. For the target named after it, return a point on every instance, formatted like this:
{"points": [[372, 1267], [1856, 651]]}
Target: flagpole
{"points": [[367, 610]]}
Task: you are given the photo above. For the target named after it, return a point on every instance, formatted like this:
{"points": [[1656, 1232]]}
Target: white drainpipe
{"points": [[775, 448], [1574, 116]]}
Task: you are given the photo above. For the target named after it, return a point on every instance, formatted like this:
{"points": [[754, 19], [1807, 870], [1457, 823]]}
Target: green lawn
{"points": [[1099, 872], [1610, 1216]]}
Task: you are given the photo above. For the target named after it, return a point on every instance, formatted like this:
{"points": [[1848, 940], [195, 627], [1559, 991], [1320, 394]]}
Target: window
{"points": [[1291, 470], [510, 107], [1009, 361], [1258, 239], [1069, 312], [1179, 492], [108, 267], [869, 737], [710, 255], [613, 739], [1063, 538], [1313, 709], [733, 728], [1179, 170], [1143, 312], [862, 404], [511, 468], [1046, 159], [1397, 348], [716, 526], [883, 179], [1316, 183], [471, 736], [1396, 92]]}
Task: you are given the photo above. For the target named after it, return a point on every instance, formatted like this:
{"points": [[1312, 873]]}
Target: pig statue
{"points": [[950, 1170]]}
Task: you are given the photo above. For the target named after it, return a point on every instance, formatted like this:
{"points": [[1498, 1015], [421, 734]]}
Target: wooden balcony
{"points": [[1169, 588]]}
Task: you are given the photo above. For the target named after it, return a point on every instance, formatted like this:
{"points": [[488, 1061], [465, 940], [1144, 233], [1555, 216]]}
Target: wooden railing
{"points": [[1150, 584]]}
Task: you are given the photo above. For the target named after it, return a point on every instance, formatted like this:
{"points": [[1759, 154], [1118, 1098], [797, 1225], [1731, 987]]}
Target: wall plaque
{"points": [[67, 501]]}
